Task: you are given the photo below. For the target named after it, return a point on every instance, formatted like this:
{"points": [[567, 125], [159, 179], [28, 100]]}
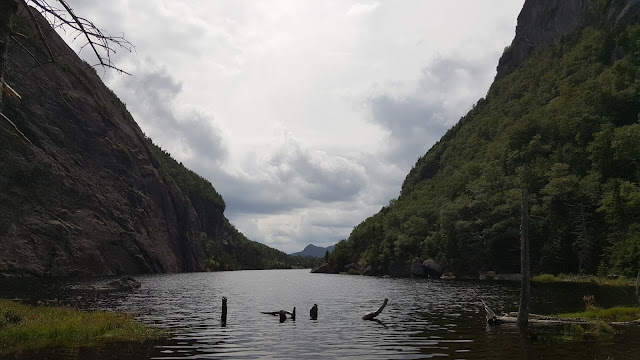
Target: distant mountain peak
{"points": [[314, 251]]}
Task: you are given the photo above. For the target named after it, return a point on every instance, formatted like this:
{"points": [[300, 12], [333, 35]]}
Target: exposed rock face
{"points": [[541, 23], [87, 196]]}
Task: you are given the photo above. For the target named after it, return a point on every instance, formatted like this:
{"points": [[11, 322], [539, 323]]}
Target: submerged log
{"points": [[282, 314], [512, 318], [491, 316], [372, 315]]}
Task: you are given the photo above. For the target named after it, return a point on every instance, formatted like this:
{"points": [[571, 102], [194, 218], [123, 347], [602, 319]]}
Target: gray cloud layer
{"points": [[321, 108]]}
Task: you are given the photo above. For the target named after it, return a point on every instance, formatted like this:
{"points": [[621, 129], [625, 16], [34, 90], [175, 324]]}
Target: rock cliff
{"points": [[85, 194], [543, 23]]}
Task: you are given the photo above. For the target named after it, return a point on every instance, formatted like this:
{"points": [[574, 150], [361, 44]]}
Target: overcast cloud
{"points": [[305, 115]]}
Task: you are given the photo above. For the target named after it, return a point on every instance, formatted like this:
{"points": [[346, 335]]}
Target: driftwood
{"points": [[372, 315], [282, 314]]}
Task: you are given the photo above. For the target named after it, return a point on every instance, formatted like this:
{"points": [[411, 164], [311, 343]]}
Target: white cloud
{"points": [[360, 8], [304, 119]]}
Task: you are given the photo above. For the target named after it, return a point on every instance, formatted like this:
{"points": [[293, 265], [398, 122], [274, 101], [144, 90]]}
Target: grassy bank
{"points": [[24, 327], [614, 314], [605, 281]]}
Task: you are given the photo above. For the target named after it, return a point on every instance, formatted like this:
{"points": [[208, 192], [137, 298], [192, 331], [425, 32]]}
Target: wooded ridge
{"points": [[562, 123]]}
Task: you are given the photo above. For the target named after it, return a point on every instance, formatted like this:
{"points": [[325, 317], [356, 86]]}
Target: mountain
{"points": [[83, 191], [561, 120], [314, 251]]}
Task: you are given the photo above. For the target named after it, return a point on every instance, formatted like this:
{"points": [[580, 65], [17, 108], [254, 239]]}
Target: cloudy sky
{"points": [[306, 115]]}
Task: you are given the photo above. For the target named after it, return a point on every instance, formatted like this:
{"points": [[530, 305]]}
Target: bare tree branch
{"points": [[36, 25], [102, 44]]}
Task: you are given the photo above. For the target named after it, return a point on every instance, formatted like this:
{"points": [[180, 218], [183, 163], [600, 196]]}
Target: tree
{"points": [[59, 16]]}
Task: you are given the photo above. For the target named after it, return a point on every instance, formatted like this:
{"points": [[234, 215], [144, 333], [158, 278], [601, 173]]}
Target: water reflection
{"points": [[424, 318]]}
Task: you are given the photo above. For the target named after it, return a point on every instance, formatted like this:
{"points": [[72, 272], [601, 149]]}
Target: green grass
{"points": [[577, 333], [24, 327], [618, 313], [603, 281]]}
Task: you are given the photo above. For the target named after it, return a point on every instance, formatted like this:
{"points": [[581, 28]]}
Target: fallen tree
{"points": [[512, 318], [372, 315]]}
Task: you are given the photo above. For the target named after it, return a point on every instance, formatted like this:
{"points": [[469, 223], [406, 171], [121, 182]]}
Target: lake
{"points": [[424, 319]]}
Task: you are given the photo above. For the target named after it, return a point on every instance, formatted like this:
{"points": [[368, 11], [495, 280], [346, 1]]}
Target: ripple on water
{"points": [[424, 318]]}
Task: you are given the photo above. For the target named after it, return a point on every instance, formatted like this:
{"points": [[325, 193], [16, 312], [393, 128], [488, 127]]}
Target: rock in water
{"points": [[126, 282]]}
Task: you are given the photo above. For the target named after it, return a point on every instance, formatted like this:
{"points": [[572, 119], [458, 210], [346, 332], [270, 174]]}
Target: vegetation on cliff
{"points": [[226, 247], [564, 125]]}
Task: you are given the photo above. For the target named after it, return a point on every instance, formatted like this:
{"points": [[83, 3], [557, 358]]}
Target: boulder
{"points": [[490, 275], [431, 268], [416, 268], [352, 266], [126, 282], [369, 271], [323, 269], [400, 270]]}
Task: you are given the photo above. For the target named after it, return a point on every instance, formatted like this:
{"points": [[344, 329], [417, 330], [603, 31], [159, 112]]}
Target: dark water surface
{"points": [[424, 318]]}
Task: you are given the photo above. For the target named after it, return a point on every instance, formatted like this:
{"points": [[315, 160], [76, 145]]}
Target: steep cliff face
{"points": [[86, 195], [541, 24]]}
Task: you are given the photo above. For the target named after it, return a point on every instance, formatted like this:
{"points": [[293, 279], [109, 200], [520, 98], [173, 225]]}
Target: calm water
{"points": [[424, 318]]}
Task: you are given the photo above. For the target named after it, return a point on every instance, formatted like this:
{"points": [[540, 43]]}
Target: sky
{"points": [[305, 115]]}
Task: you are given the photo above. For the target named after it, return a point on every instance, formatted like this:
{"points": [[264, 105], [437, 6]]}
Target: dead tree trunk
{"points": [[372, 315], [525, 268]]}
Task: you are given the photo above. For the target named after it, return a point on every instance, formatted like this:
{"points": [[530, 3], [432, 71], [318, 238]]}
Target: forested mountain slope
{"points": [[88, 193], [560, 121]]}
